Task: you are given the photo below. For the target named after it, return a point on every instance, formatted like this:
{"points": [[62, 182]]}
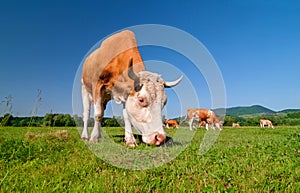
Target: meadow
{"points": [[247, 159]]}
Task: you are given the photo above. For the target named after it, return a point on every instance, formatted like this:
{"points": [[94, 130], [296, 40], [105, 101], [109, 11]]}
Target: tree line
{"points": [[55, 120], [66, 120], [288, 119], [51, 120]]}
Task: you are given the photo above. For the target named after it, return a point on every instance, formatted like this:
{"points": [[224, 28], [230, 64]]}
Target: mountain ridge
{"points": [[251, 110]]}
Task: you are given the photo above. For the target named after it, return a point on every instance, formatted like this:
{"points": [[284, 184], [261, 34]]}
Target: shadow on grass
{"points": [[121, 139]]}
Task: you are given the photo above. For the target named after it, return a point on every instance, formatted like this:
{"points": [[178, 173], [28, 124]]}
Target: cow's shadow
{"points": [[168, 143]]}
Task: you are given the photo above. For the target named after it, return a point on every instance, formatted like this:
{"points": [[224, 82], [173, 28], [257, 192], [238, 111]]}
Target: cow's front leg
{"points": [[206, 126], [213, 125], [129, 138], [98, 114], [218, 125]]}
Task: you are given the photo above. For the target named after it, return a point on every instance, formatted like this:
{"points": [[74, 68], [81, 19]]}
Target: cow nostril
{"points": [[159, 139]]}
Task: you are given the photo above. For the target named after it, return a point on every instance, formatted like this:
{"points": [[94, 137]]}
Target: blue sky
{"points": [[255, 43]]}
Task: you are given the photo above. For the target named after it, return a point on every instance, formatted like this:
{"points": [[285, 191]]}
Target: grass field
{"points": [[246, 159]]}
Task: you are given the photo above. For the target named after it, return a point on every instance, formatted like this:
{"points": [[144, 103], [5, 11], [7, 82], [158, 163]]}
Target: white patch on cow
{"points": [[144, 107], [204, 115], [119, 99], [266, 122], [86, 99]]}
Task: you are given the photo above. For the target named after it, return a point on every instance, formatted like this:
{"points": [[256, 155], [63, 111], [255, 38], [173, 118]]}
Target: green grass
{"points": [[247, 159]]}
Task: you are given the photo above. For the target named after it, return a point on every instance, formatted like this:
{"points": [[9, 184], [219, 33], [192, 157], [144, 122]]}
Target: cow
{"points": [[264, 122], [173, 123], [236, 125], [115, 70], [202, 124], [208, 116]]}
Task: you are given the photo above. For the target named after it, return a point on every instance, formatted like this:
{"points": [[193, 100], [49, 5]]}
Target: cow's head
{"points": [[219, 125], [145, 103]]}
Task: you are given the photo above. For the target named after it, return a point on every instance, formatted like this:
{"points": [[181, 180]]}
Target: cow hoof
{"points": [[84, 138], [95, 140], [131, 145]]}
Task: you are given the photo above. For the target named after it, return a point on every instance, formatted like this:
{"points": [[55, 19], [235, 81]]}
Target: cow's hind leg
{"points": [[86, 101]]}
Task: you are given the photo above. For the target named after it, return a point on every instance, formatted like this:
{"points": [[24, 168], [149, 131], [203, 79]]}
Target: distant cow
{"points": [[208, 116], [236, 125], [116, 71], [264, 122], [202, 124], [172, 123]]}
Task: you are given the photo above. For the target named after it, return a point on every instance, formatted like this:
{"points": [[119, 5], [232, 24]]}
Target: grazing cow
{"points": [[173, 123], [264, 122], [208, 116], [236, 125], [202, 124], [116, 71]]}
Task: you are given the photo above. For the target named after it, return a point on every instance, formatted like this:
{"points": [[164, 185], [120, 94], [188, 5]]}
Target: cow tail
{"points": [[181, 121]]}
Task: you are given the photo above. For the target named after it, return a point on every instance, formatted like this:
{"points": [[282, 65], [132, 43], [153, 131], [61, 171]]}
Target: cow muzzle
{"points": [[156, 138]]}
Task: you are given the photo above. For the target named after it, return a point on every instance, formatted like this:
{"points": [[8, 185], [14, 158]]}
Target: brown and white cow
{"points": [[200, 115], [172, 123], [202, 124], [116, 71], [236, 125], [264, 122]]}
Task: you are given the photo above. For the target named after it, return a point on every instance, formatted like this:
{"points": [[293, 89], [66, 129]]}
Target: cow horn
{"points": [[173, 83], [137, 85], [131, 73]]}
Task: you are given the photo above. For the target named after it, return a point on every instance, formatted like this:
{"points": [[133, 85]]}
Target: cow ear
{"points": [[173, 83]]}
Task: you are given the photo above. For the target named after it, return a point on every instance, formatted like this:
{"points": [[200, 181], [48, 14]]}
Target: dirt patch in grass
{"points": [[61, 134]]}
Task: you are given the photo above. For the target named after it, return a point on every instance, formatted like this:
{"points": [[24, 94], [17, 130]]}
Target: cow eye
{"points": [[142, 101]]}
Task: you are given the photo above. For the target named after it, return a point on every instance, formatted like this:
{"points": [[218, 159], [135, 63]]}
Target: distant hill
{"points": [[289, 111], [253, 110]]}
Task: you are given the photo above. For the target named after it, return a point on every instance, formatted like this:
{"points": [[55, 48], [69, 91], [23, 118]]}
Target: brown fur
{"points": [[266, 122], [104, 68], [203, 115], [172, 123], [236, 125]]}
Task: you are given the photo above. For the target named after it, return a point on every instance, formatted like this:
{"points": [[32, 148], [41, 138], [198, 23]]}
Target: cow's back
{"points": [[199, 112], [191, 112], [112, 56]]}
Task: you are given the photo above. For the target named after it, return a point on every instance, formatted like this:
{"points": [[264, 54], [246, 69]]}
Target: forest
{"points": [[289, 119], [67, 120]]}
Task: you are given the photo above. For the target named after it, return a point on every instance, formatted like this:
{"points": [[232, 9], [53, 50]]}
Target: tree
{"points": [[111, 122], [58, 120], [78, 120], [48, 120], [69, 121], [295, 115]]}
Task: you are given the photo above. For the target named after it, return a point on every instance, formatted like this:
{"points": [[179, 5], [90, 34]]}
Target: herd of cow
{"points": [[116, 71], [208, 119]]}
